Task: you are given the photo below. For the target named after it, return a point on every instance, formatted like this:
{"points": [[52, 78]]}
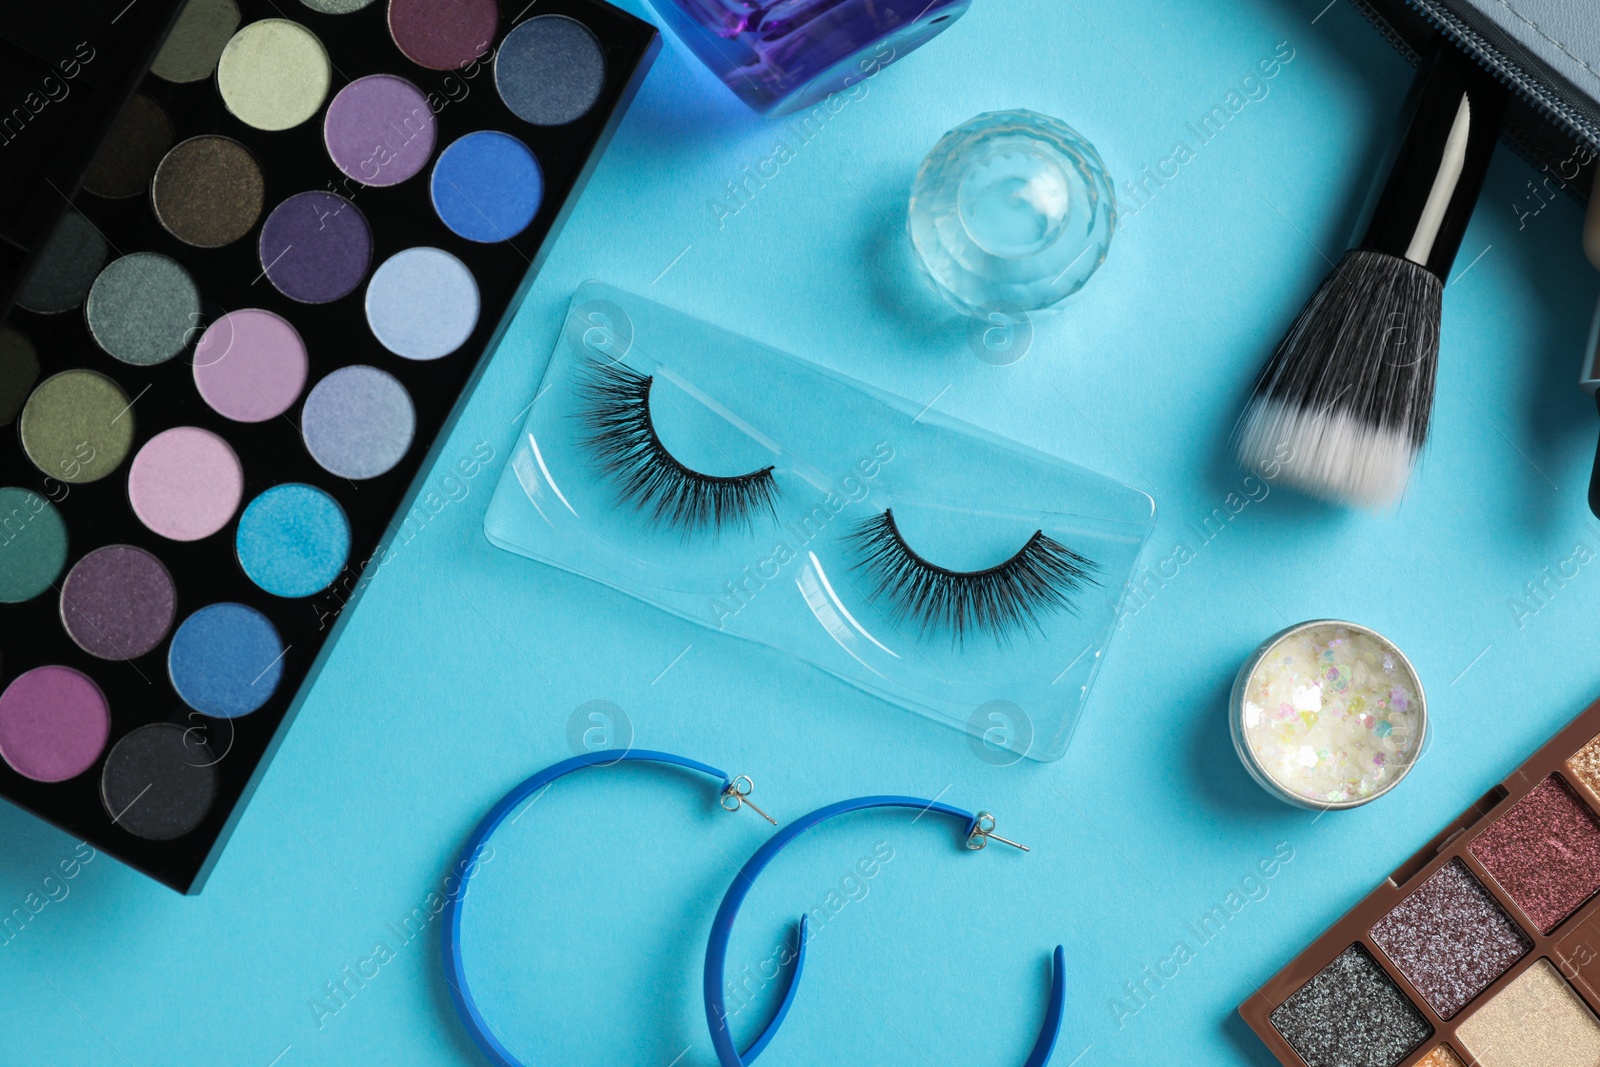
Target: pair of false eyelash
{"points": [[1044, 575]]}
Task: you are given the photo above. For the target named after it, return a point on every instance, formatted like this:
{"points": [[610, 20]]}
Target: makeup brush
{"points": [[1342, 408], [1589, 376]]}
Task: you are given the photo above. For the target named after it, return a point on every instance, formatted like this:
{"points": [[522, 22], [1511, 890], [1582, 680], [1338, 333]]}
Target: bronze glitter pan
{"points": [[1482, 949]]}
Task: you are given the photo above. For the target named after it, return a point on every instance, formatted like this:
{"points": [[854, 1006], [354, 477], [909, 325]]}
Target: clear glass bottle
{"points": [[1012, 211], [783, 55]]}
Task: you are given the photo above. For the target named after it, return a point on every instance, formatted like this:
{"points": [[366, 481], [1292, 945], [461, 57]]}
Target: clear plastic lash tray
{"points": [[923, 560]]}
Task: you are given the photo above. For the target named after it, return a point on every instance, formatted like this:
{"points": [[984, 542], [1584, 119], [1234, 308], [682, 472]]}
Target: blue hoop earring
{"points": [[980, 831], [734, 794]]}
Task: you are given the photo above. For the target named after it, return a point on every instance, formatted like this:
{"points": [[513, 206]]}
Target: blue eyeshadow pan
{"points": [[226, 660], [487, 186]]}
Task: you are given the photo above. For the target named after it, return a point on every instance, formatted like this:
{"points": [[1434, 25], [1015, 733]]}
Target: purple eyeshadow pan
{"points": [[316, 247], [1450, 938], [118, 602], [54, 723], [379, 130]]}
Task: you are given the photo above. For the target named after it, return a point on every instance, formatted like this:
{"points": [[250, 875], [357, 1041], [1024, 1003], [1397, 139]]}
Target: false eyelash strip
{"points": [[1044, 575], [626, 449]]}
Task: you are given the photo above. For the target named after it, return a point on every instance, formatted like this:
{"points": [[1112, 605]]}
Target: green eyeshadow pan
{"points": [[77, 426]]}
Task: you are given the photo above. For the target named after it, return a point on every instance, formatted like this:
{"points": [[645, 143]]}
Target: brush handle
{"points": [[1594, 476], [1589, 379], [1439, 166]]}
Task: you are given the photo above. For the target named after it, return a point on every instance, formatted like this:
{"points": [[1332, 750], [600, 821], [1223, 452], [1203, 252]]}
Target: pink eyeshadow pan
{"points": [[250, 365], [1450, 938], [1545, 853], [54, 723], [185, 483]]}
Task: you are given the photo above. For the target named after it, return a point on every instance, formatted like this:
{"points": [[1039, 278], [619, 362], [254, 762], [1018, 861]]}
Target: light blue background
{"points": [[458, 673]]}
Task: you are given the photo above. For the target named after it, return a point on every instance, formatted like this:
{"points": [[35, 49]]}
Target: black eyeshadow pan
{"points": [[159, 781]]}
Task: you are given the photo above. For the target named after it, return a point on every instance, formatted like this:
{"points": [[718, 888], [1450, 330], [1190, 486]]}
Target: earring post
{"points": [[1005, 840]]}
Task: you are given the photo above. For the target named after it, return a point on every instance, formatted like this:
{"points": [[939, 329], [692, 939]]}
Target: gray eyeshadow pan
{"points": [[1450, 938], [1351, 1015], [550, 70]]}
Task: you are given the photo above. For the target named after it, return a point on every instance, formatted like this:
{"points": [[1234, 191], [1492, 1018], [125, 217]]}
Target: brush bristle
{"points": [[1331, 455], [1342, 408]]}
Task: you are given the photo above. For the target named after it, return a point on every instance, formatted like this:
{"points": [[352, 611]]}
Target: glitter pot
{"points": [[1328, 715]]}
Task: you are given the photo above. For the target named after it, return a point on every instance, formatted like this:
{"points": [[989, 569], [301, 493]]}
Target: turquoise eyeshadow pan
{"points": [[226, 660], [33, 545], [293, 540]]}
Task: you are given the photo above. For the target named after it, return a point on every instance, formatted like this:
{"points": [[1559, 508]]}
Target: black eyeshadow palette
{"points": [[264, 250]]}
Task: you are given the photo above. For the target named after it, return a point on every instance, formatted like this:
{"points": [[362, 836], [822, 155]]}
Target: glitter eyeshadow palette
{"points": [[277, 241], [1483, 949]]}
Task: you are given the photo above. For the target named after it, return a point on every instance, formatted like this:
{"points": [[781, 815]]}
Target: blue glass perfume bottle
{"points": [[784, 55]]}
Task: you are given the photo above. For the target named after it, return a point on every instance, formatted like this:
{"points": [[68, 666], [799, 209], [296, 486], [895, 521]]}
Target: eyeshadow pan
{"points": [[487, 186], [1450, 939], [1584, 764], [1443, 1056], [549, 70], [226, 660], [185, 483], [443, 34], [422, 303], [293, 540], [358, 422], [250, 365], [129, 155], [54, 722], [159, 782], [336, 7], [19, 369], [77, 426], [65, 269], [379, 130], [208, 191], [118, 602], [274, 74], [315, 247], [1536, 1021], [1351, 1015], [192, 48], [33, 544], [1545, 853], [141, 308]]}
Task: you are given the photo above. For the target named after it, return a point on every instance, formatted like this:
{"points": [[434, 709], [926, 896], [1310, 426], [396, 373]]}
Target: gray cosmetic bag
{"points": [[1546, 51]]}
